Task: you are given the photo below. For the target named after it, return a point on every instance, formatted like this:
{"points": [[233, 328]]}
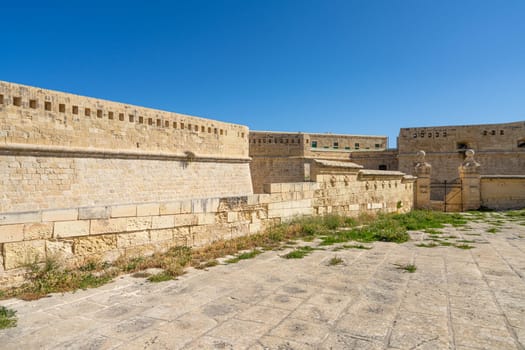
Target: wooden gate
{"points": [[446, 195]]}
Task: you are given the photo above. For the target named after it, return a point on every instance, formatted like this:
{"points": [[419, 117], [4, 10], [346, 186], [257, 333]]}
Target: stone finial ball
{"points": [[470, 153], [421, 156]]}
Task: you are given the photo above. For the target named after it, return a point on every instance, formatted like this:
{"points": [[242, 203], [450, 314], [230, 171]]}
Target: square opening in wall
{"points": [[17, 101], [62, 108], [121, 117], [74, 109], [131, 118], [110, 115], [1, 99], [32, 104], [159, 123], [99, 113], [47, 106], [87, 112], [166, 124], [141, 120]]}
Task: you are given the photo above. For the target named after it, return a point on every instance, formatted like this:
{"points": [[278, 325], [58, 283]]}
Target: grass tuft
{"points": [[411, 268], [7, 318], [298, 253], [335, 261]]}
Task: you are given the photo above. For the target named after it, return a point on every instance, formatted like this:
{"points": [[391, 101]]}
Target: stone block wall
{"points": [[107, 232], [33, 116], [500, 192]]}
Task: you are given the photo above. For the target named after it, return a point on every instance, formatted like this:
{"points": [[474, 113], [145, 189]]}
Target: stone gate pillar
{"points": [[469, 173], [423, 171]]}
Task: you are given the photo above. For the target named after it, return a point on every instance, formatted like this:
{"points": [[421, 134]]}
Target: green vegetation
{"points": [[493, 230], [427, 245], [243, 256], [298, 253], [51, 276], [463, 246], [335, 261], [411, 268], [7, 318]]}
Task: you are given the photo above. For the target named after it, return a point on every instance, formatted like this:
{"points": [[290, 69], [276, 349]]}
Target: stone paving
{"points": [[456, 299]]}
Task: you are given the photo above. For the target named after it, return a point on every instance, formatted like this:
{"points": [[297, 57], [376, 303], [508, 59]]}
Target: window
{"points": [[174, 125], [131, 118], [382, 167], [209, 130], [17, 101], [32, 104], [377, 145], [1, 99], [47, 106], [99, 113], [182, 126], [203, 129], [462, 145], [485, 132], [159, 123], [356, 145], [150, 121], [314, 144], [87, 112], [347, 147], [141, 120], [74, 109], [415, 135], [110, 115], [62, 108], [196, 128], [166, 124], [521, 143], [493, 132], [501, 132], [336, 145], [121, 117]]}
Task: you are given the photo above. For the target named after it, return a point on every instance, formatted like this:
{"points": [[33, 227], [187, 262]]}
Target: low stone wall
{"points": [[108, 232], [501, 192]]}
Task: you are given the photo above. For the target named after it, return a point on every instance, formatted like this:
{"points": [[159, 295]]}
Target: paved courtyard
{"points": [[456, 299]]}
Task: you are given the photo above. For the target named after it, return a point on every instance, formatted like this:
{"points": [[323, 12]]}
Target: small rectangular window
{"points": [[74, 109], [121, 117], [99, 113], [47, 106], [141, 120], [32, 104], [150, 121], [347, 147], [17, 101], [110, 115], [356, 145], [131, 118], [314, 144], [189, 126], [87, 112], [242, 135], [159, 123], [215, 131], [336, 145], [182, 126], [174, 125], [501, 132], [62, 108], [1, 99], [209, 130], [222, 132], [196, 128], [166, 124], [203, 129], [377, 145]]}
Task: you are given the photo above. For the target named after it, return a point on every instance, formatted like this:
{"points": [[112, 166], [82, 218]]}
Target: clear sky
{"points": [[352, 66]]}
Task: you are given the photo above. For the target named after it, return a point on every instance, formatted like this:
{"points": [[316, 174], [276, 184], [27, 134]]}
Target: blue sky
{"points": [[354, 66]]}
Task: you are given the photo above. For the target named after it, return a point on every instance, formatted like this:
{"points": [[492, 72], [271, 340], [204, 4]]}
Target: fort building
{"points": [[83, 178], [500, 148]]}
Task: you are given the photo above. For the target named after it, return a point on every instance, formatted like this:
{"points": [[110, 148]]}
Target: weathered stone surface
{"points": [[93, 213], [21, 253], [11, 233], [60, 249], [125, 240], [115, 225], [60, 215], [38, 231], [94, 244], [71, 228], [123, 211]]}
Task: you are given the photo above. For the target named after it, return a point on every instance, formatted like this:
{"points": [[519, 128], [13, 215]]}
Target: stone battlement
{"points": [[34, 116]]}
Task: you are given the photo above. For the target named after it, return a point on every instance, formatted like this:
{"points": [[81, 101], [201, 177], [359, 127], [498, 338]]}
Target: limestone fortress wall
{"points": [[500, 148], [60, 150]]}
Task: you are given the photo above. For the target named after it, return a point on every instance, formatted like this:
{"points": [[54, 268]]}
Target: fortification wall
{"points": [[502, 192], [500, 148], [60, 150], [108, 232], [276, 170], [379, 160], [33, 116]]}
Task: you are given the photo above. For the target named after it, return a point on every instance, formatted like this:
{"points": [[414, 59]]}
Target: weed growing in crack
{"points": [[7, 318], [335, 261], [411, 268], [298, 253]]}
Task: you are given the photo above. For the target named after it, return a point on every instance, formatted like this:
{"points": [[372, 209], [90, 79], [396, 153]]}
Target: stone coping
{"points": [[337, 164], [62, 151], [381, 172], [503, 176]]}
